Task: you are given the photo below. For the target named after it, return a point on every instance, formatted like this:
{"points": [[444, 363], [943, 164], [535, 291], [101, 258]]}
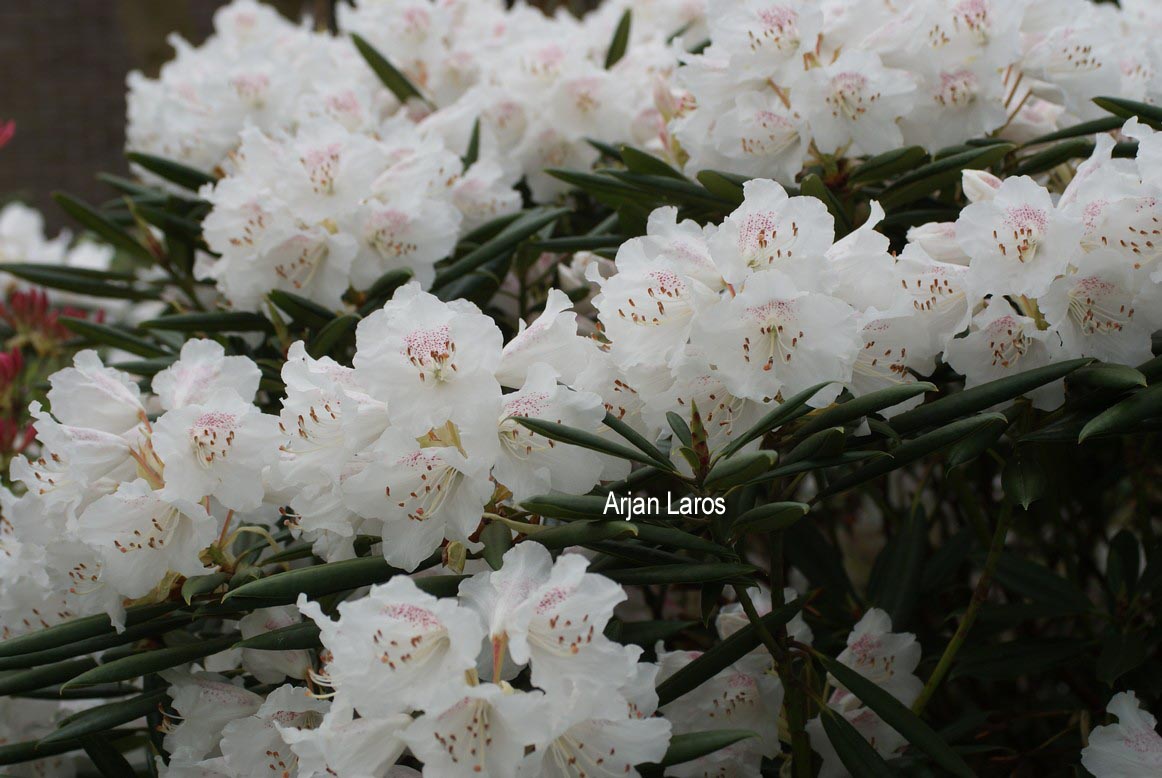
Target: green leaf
{"points": [[1042, 161], [92, 219], [857, 755], [384, 289], [202, 584], [914, 449], [1100, 375], [40, 677], [1107, 124], [505, 242], [30, 750], [642, 162], [889, 164], [302, 310], [395, 81], [813, 186], [1025, 479], [339, 330], [637, 440], [296, 637], [581, 533], [575, 437], [1039, 583], [176, 173], [1015, 658], [678, 574], [620, 43], [1150, 115], [647, 633], [722, 185], [824, 443], [114, 337], [692, 745], [941, 174], [567, 506], [672, 190], [284, 588], [107, 759], [573, 243], [472, 153], [975, 444], [739, 469], [771, 517], [1127, 415], [672, 537], [786, 411], [856, 408], [214, 321], [132, 634], [722, 655], [93, 283], [894, 585], [76, 630], [681, 429], [146, 662], [986, 395], [1121, 653], [497, 539], [104, 717], [897, 716]]}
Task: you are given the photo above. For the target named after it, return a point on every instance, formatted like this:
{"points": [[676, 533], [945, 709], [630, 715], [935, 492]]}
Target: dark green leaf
{"points": [[104, 717], [568, 506], [176, 173], [677, 574], [1150, 115], [497, 539], [955, 406], [642, 162], [647, 633], [681, 428], [722, 185], [824, 443], [30, 750], [857, 755], [202, 584], [293, 638], [887, 165], [620, 43], [771, 517], [581, 533], [897, 716], [1107, 124], [671, 537], [1025, 479], [1015, 658], [858, 407], [1127, 415], [575, 437], [107, 759], [1076, 148], [894, 585], [302, 310], [637, 440], [147, 662], [1121, 653], [789, 409], [472, 153], [79, 280], [505, 242], [395, 81], [40, 677], [975, 444], [384, 289], [114, 337], [813, 186], [91, 219], [692, 745], [1107, 376], [283, 588], [76, 630], [941, 174], [1037, 582], [339, 330], [214, 321], [739, 469]]}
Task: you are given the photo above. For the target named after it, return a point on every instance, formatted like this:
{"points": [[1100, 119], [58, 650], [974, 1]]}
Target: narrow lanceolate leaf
{"points": [[692, 745], [114, 337], [565, 434], [1108, 376], [146, 662], [505, 242], [1147, 114], [1126, 415], [40, 677], [638, 441], [772, 517], [94, 221], [857, 755], [176, 173], [1106, 124], [723, 655], [680, 428], [317, 580], [671, 537], [722, 185], [395, 81], [620, 43], [912, 450], [1075, 148], [214, 321], [472, 153], [813, 186], [580, 533], [789, 409], [739, 469], [303, 311], [93, 283], [858, 407], [79, 629], [568, 506], [497, 539], [975, 444], [1025, 479], [104, 717], [383, 289], [941, 173], [822, 444], [895, 580], [897, 716], [327, 340], [986, 395], [643, 162], [1039, 583], [110, 762], [888, 165], [31, 750], [294, 637], [677, 574], [202, 584], [113, 639]]}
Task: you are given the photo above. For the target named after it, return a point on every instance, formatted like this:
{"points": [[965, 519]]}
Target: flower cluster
{"points": [[782, 81]]}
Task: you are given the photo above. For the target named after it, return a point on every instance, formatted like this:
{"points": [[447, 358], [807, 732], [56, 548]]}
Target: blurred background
{"points": [[62, 80]]}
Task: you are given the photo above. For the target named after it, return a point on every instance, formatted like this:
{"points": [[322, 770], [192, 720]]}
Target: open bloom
{"points": [[1129, 748]]}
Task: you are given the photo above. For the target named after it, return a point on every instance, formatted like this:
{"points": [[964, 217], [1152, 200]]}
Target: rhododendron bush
{"points": [[724, 388]]}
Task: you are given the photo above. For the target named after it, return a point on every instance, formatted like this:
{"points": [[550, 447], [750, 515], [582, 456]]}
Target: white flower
{"points": [[1131, 748], [397, 649], [1018, 241], [93, 396], [202, 369], [343, 745], [254, 747], [141, 534], [430, 361], [272, 666], [855, 99], [219, 448], [206, 703], [776, 338], [551, 339], [484, 733], [1002, 342], [552, 615]]}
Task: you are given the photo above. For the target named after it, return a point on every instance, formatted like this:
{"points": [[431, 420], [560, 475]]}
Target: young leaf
{"points": [[897, 716]]}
